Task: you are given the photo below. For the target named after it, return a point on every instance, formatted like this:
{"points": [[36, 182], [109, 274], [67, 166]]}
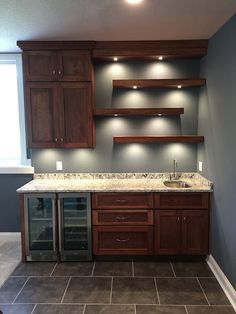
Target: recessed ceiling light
{"points": [[115, 59], [135, 87], [179, 86], [160, 58], [134, 1]]}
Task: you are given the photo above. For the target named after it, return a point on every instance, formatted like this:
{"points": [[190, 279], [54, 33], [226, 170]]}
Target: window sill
{"points": [[16, 170]]}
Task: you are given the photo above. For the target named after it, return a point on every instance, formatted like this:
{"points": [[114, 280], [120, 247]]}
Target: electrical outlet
{"points": [[59, 165], [200, 165]]}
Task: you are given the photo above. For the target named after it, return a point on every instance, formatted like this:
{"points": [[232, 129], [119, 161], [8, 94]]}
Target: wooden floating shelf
{"points": [[159, 139], [138, 111], [146, 50], [159, 83]]}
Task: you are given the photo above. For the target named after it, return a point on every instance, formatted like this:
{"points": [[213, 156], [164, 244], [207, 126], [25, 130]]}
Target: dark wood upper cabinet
{"points": [[57, 65], [76, 120], [59, 115], [41, 99]]}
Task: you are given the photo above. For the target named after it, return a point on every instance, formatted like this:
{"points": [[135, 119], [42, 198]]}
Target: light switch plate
{"points": [[200, 165], [59, 165]]}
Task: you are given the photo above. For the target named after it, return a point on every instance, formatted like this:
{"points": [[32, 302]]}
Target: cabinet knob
{"points": [[62, 139], [56, 139], [178, 218], [54, 72], [184, 218], [60, 72]]}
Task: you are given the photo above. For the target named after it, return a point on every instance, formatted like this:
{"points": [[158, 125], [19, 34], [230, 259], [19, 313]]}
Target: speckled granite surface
{"points": [[112, 182]]}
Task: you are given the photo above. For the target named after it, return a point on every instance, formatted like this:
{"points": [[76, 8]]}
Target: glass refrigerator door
{"points": [[75, 230], [40, 222]]}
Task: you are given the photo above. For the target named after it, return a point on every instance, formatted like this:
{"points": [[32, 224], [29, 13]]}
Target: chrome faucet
{"points": [[174, 176]]}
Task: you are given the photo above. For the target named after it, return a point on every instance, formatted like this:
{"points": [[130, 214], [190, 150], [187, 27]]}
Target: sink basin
{"points": [[176, 184]]}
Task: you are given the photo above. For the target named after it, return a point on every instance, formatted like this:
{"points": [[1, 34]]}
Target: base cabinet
{"points": [[57, 227], [181, 224], [122, 223], [181, 232]]}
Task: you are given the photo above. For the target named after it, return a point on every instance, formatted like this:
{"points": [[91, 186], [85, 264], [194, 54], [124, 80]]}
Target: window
{"points": [[12, 122]]}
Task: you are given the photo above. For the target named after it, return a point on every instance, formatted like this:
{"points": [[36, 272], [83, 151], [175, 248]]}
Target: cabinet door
{"points": [[195, 232], [40, 224], [74, 66], [167, 232], [74, 224], [40, 65], [41, 114], [76, 118]]}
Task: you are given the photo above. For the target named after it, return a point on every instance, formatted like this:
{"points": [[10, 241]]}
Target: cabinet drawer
{"points": [[113, 240], [122, 217], [122, 200], [181, 200]]}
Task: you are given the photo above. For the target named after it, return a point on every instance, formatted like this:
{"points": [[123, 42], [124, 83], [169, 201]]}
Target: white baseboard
{"points": [[9, 236], [223, 280]]}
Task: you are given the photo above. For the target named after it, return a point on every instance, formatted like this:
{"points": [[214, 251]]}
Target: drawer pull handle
{"points": [[122, 218], [122, 240], [121, 201]]}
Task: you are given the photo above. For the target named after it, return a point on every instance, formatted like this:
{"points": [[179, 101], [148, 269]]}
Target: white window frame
{"points": [[24, 167]]}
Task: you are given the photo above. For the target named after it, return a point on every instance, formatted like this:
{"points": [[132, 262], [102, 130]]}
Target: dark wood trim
{"points": [[159, 83], [159, 139], [138, 111], [55, 45], [150, 49], [126, 49]]}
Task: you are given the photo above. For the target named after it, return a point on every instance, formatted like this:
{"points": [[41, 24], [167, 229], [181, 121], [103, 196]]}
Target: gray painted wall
{"points": [[107, 157], [217, 112], [9, 202]]}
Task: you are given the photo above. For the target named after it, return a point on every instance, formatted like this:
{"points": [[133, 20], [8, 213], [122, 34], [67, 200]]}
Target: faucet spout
{"points": [[174, 175]]}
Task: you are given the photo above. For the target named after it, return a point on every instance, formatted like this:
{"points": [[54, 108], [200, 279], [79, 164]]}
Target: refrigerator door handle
{"points": [[59, 224], [54, 219]]}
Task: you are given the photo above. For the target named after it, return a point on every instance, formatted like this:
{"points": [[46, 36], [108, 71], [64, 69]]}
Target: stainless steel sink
{"points": [[176, 184]]}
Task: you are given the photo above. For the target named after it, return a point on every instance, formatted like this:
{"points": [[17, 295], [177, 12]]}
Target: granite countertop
{"points": [[112, 182]]}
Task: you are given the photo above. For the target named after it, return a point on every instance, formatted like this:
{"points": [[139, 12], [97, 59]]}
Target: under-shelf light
{"points": [[135, 87], [160, 58], [115, 59], [159, 115], [179, 86], [134, 1]]}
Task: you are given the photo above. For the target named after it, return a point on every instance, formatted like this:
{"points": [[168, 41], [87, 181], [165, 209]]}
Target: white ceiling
{"points": [[110, 20]]}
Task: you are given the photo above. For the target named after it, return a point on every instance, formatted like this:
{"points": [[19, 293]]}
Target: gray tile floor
{"points": [[113, 288]]}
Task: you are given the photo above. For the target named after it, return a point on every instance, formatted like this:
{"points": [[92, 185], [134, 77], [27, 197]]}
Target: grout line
{"points": [[173, 269], [33, 308], [133, 268], [185, 307], [111, 289], [94, 263], [158, 296], [62, 299], [84, 309], [53, 270], [21, 290], [203, 291], [135, 311]]}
